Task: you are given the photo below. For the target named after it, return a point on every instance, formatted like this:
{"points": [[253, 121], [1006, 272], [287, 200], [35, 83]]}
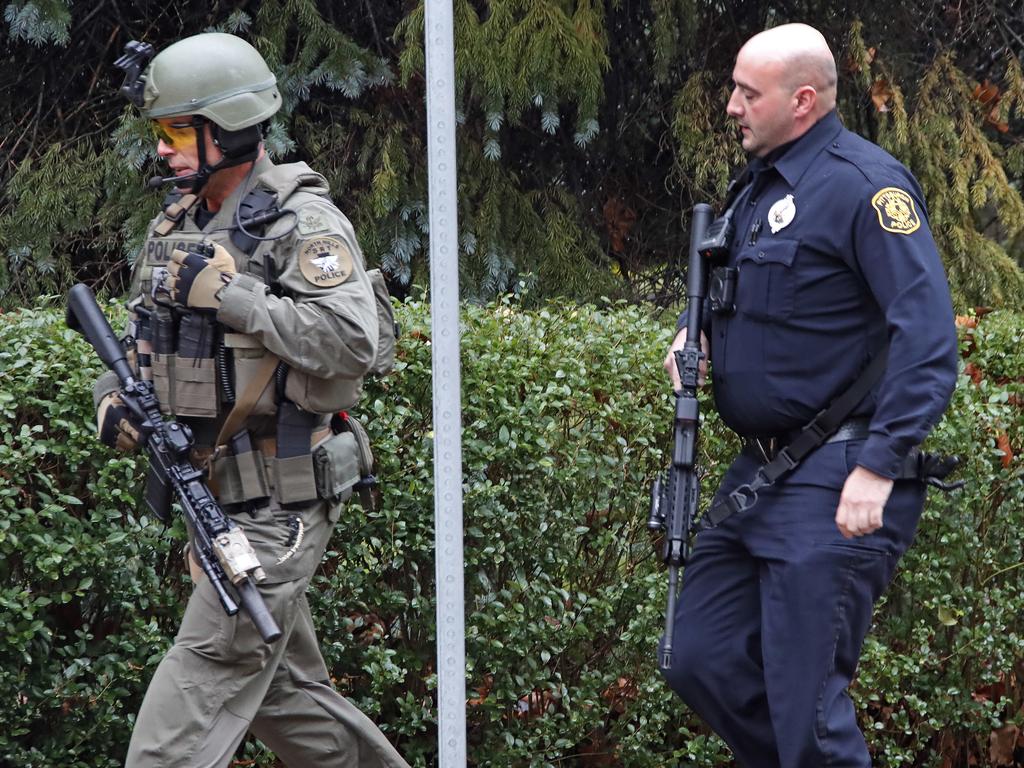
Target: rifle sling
{"points": [[811, 437], [247, 400]]}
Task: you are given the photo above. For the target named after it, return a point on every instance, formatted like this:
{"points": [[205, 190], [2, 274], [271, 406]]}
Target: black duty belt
{"points": [[782, 455], [765, 449]]}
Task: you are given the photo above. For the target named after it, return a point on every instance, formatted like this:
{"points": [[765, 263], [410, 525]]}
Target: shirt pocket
{"points": [[766, 286]]}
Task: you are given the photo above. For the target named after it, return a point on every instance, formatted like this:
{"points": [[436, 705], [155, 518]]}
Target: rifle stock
{"points": [[222, 550]]}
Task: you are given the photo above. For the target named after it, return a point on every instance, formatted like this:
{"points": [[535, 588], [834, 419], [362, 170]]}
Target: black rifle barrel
{"points": [[252, 603], [697, 271], [85, 316], [683, 488]]}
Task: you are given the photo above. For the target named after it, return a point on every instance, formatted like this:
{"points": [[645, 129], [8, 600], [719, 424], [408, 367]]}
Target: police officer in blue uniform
{"points": [[831, 263]]}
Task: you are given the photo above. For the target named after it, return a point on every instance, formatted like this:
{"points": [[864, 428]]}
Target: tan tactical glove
{"points": [[196, 280], [115, 425]]}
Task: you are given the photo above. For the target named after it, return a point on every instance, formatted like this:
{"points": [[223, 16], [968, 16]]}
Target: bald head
{"points": [[801, 56], [785, 82]]}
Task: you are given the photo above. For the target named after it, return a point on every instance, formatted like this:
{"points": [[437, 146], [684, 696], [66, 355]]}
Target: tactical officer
{"points": [[256, 320], [830, 264]]}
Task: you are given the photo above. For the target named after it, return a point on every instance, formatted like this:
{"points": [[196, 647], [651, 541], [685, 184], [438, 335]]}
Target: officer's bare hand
{"points": [[196, 281], [861, 503], [670, 360]]}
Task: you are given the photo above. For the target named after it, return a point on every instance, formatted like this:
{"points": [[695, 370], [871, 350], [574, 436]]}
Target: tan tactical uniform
{"points": [[219, 679]]}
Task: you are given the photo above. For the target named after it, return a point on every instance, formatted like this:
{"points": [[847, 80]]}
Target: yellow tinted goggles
{"points": [[175, 133]]}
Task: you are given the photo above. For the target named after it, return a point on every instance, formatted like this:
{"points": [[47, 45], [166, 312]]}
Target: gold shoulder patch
{"points": [[325, 261], [896, 212]]}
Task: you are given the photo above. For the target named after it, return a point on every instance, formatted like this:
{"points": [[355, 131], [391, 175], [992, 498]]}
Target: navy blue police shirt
{"points": [[834, 255]]}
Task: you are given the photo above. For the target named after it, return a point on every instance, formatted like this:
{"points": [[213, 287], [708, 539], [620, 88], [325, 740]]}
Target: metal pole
{"points": [[444, 312]]}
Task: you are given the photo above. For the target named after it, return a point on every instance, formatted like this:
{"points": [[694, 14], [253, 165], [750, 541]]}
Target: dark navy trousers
{"points": [[774, 608]]}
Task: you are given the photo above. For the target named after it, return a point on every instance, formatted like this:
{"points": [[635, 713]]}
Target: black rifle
{"points": [[222, 550], [674, 494]]}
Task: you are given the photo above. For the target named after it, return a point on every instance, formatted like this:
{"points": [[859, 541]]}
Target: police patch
{"points": [[325, 261], [896, 212]]}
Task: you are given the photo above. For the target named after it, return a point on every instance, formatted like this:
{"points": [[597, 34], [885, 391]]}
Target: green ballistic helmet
{"points": [[216, 75]]}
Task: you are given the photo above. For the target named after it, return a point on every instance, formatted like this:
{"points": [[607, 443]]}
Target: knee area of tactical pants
{"points": [[215, 639]]}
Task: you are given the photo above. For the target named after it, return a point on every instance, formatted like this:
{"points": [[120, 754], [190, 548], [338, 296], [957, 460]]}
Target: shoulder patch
{"points": [[896, 212], [325, 261], [311, 222]]}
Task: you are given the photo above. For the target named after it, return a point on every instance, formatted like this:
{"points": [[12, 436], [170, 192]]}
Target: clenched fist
{"points": [[196, 281]]}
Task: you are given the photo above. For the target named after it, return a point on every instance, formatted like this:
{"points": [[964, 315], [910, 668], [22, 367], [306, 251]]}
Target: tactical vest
{"points": [[198, 365]]}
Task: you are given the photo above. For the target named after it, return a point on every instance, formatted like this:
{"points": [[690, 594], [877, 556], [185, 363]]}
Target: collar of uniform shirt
{"points": [[793, 159]]}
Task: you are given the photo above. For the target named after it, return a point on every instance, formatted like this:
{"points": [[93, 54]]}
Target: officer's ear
{"points": [[805, 101]]}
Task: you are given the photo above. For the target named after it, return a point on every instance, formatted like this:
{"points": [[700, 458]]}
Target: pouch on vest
{"points": [[387, 332], [247, 354], [193, 380], [336, 467], [162, 329], [343, 423], [240, 476], [294, 470]]}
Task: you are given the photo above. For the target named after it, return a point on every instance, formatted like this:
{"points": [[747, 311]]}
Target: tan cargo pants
{"points": [[220, 680]]}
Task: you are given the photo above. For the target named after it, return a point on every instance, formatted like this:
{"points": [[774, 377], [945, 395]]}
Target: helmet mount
{"points": [[133, 61]]}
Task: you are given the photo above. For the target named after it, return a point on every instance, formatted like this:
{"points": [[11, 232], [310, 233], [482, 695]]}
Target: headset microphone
{"points": [[155, 182]]}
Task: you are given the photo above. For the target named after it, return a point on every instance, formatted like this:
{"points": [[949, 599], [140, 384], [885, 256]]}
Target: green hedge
{"points": [[566, 419]]}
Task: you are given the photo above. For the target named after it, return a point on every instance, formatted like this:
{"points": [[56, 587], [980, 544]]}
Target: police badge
{"points": [[781, 213]]}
